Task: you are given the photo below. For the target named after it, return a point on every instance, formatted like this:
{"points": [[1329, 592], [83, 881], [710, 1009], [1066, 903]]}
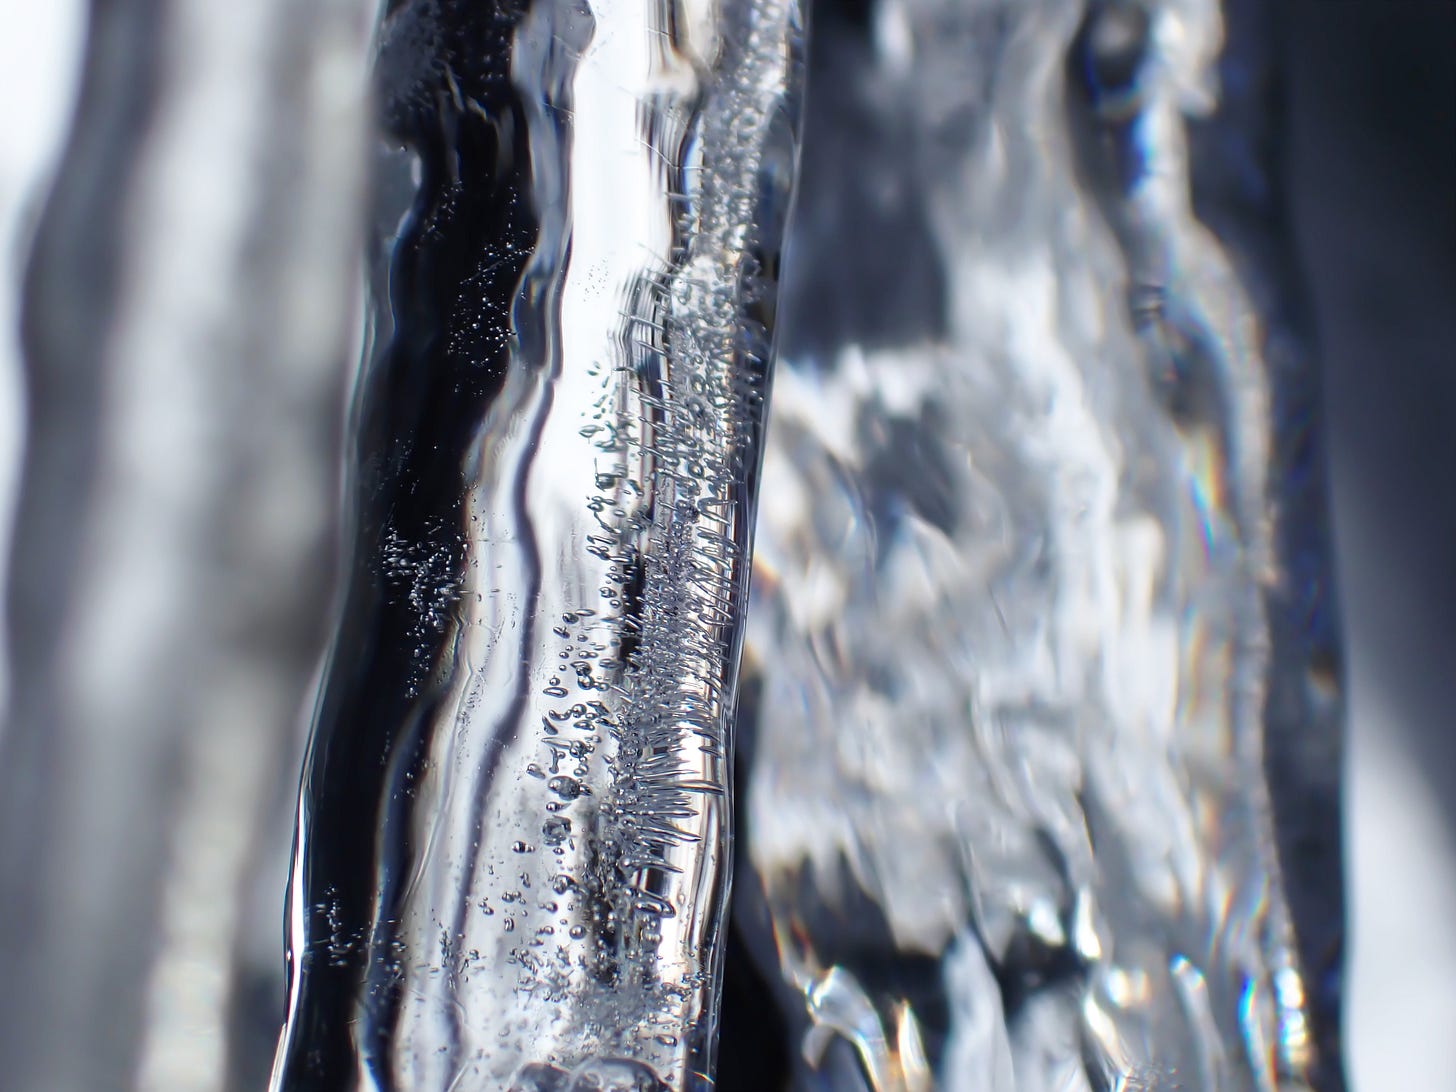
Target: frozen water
{"points": [[1041, 624], [515, 817]]}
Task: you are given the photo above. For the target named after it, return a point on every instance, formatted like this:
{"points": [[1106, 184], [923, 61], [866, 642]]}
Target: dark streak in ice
{"points": [[513, 824], [448, 96]]}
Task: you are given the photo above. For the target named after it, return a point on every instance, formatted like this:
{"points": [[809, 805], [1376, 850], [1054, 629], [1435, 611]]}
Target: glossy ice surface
{"points": [[515, 818], [1044, 727], [1037, 750], [1028, 779]]}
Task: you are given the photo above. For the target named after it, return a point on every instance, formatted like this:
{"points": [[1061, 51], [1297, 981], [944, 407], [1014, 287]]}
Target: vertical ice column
{"points": [[1042, 745], [513, 831], [185, 329]]}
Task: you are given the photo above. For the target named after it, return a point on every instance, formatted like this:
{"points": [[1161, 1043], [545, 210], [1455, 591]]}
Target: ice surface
{"points": [[515, 818], [1036, 754], [1040, 612]]}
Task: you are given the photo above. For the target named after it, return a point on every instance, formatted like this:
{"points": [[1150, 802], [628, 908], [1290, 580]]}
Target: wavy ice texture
{"points": [[1040, 730], [1041, 721], [510, 868]]}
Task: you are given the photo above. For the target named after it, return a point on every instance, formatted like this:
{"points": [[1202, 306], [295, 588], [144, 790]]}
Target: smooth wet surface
{"points": [[511, 860]]}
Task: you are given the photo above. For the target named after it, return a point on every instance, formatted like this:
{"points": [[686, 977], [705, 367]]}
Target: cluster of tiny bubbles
{"points": [[340, 942], [423, 570], [480, 322]]}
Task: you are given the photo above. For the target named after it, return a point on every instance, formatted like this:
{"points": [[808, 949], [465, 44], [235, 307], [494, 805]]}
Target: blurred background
{"points": [[1371, 160], [1373, 193]]}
